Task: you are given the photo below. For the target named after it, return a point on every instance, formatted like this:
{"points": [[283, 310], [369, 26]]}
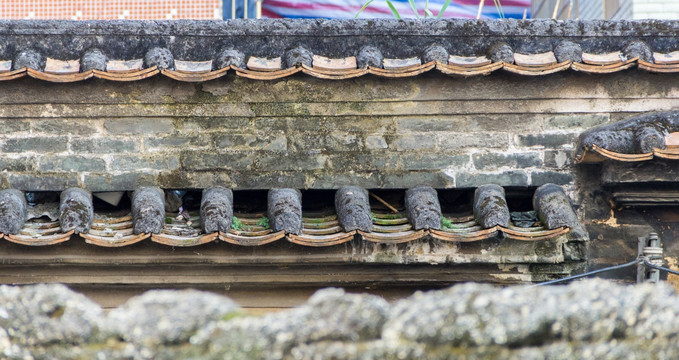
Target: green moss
{"points": [[236, 224], [447, 224], [233, 315], [263, 222]]}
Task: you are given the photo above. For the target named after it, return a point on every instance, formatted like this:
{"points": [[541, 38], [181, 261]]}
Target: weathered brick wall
{"points": [[307, 133], [303, 132]]}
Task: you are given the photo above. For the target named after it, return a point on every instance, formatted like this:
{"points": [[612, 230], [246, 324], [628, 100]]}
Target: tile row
{"points": [[351, 219]]}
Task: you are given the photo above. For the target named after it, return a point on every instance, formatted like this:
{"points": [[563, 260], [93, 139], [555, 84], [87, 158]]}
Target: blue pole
{"points": [[226, 9]]}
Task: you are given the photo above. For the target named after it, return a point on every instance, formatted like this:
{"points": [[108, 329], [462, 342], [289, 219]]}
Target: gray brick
{"points": [[194, 179], [176, 141], [545, 177], [268, 142], [412, 141], [290, 162], [196, 124], [559, 159], [71, 163], [12, 126], [331, 142], [418, 161], [353, 124], [139, 126], [349, 162], [367, 179], [42, 181], [475, 123], [547, 140], [269, 179], [404, 180], [64, 126], [507, 178], [104, 145], [37, 144], [373, 142], [127, 163], [120, 182], [577, 121], [428, 123], [211, 160], [461, 141], [24, 163], [486, 161]]}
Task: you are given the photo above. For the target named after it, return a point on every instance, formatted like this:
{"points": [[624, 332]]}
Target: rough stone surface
{"points": [[200, 40], [47, 314], [568, 50], [637, 48], [649, 138], [628, 136], [500, 52], [13, 211], [93, 59], [473, 315], [297, 56], [216, 210], [29, 58], [369, 56], [228, 57], [490, 206], [161, 57], [590, 319], [148, 210], [76, 211], [329, 315], [353, 209], [554, 210], [423, 208], [435, 53], [285, 210], [166, 316]]}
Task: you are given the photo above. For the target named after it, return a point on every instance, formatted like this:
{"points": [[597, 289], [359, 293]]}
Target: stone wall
{"points": [[308, 133], [302, 132]]}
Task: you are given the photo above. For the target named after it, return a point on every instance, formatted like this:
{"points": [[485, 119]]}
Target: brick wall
{"points": [[308, 133]]}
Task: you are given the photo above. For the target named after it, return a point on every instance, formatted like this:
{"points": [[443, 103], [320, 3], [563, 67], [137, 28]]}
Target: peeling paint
{"points": [[673, 263]]}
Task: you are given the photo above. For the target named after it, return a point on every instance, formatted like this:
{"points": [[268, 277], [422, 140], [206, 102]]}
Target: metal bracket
{"points": [[649, 249]]}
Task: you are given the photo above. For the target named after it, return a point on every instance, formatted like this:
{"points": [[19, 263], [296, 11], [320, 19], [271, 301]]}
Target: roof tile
{"points": [[264, 64], [324, 63], [54, 66], [193, 66]]}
